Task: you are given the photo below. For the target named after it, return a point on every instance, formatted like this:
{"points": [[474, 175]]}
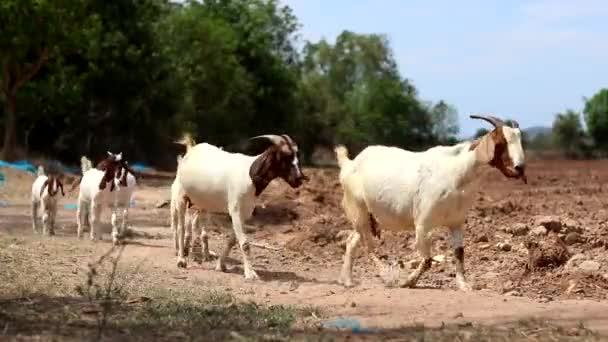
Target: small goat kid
{"points": [[396, 189], [44, 197], [111, 183], [216, 180]]}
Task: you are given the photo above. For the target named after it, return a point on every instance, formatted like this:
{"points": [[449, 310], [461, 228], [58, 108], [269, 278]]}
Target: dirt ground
{"points": [[515, 234]]}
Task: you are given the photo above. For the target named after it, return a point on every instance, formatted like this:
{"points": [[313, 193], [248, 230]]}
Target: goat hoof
{"points": [[251, 275], [220, 267], [181, 263], [465, 287]]}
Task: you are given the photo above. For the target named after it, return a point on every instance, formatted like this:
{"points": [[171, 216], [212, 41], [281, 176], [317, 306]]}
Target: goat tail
{"points": [[40, 170], [85, 164], [342, 155], [186, 140]]}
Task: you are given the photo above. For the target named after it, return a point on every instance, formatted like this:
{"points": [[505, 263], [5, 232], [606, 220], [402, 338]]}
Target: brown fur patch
{"points": [[53, 184], [496, 142], [275, 162]]}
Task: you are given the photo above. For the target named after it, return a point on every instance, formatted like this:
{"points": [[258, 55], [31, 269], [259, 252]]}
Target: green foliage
{"points": [[596, 117], [568, 132], [132, 75], [481, 132]]}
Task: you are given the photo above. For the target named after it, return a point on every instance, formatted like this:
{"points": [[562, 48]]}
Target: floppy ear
{"points": [[485, 149]]}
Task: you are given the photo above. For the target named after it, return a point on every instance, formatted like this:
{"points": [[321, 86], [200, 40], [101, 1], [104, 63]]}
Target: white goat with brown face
{"points": [[214, 180], [396, 189], [44, 197], [99, 188]]}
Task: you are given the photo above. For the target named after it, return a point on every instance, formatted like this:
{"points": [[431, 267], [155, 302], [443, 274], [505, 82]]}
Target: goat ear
{"points": [[119, 157], [110, 153], [485, 149]]}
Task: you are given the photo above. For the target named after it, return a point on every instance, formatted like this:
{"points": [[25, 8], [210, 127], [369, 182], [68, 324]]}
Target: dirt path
{"points": [[305, 223]]}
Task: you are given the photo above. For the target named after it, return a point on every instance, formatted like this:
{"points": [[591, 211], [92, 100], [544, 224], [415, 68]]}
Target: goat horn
{"points": [[288, 139], [496, 122], [276, 139], [514, 124]]}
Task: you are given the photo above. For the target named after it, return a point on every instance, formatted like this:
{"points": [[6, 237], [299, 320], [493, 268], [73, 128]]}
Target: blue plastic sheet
{"points": [[22, 165], [72, 206], [139, 166], [346, 323]]}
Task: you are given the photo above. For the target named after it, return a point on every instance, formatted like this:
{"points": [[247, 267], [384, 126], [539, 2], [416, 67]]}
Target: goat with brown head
{"points": [[110, 166], [501, 148], [280, 160]]}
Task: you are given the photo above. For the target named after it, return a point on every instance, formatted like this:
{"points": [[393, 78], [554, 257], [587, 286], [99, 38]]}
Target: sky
{"points": [[521, 59]]}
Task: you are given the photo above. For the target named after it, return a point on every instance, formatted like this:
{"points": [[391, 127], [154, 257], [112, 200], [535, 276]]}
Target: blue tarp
{"points": [[25, 165], [22, 165], [139, 166]]}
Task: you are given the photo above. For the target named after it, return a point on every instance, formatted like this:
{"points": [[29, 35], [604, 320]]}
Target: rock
{"points": [[481, 238], [571, 226], [550, 253], [513, 293], [539, 231], [551, 223], [439, 258], [575, 261], [572, 238], [518, 229], [485, 246], [504, 246], [590, 266]]}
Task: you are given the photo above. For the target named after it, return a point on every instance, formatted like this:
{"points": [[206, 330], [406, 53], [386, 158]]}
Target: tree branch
{"points": [[35, 68]]}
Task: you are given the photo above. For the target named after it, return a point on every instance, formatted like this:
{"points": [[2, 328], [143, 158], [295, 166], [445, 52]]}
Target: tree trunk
{"points": [[9, 149]]}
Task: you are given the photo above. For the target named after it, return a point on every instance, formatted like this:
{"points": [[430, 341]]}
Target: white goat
{"points": [[97, 191], [402, 190], [44, 197], [215, 180]]}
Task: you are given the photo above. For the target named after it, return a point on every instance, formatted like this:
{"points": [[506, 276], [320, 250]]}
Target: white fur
{"points": [[406, 190], [192, 224], [92, 201], [121, 202], [216, 181], [44, 202]]}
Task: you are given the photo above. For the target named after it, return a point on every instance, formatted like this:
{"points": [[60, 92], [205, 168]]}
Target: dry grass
{"points": [[44, 297]]}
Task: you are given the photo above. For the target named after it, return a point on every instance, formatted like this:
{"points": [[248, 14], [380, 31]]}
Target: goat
{"points": [[44, 197], [192, 224], [215, 180], [97, 187], [402, 190]]}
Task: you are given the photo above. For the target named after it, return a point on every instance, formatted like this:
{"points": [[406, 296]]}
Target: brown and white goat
{"points": [[397, 190], [98, 189], [218, 181], [44, 197]]}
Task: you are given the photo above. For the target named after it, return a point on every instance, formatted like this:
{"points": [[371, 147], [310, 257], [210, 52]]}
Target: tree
{"points": [[481, 132], [445, 122], [33, 32], [596, 117], [568, 132], [356, 96]]}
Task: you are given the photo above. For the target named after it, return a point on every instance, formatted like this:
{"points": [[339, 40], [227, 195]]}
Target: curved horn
{"points": [[288, 139], [496, 122], [275, 139]]}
